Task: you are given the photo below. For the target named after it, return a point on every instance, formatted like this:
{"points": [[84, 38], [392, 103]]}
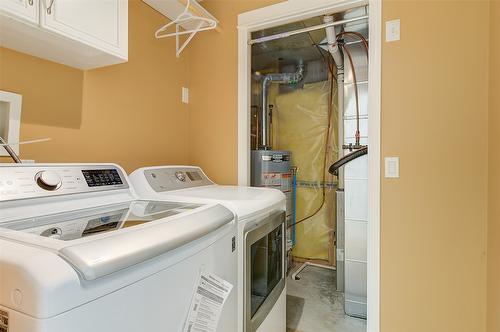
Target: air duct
{"points": [[280, 78]]}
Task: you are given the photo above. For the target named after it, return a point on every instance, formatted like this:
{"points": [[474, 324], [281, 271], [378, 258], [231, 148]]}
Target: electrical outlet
{"points": [[185, 95], [392, 30]]}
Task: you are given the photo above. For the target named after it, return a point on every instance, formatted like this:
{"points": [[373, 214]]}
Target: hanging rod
{"points": [[304, 30]]}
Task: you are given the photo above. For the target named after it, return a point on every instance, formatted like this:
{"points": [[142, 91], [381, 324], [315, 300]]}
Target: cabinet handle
{"points": [[30, 2], [49, 7]]}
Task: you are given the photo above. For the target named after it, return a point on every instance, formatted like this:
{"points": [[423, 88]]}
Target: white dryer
{"points": [[80, 252], [260, 214]]}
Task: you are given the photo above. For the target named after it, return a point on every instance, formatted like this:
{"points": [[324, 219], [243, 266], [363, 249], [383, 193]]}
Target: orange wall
{"points": [[435, 118], [494, 174], [130, 113], [213, 83]]}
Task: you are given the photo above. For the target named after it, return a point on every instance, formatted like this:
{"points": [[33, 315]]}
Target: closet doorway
{"points": [[302, 107]]}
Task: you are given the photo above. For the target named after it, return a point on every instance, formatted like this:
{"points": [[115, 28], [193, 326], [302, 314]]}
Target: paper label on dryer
{"points": [[4, 321], [208, 301]]}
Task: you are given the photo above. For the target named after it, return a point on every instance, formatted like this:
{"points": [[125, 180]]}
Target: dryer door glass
{"points": [[267, 266]]}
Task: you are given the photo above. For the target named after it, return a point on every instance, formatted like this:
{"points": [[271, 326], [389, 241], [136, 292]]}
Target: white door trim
{"points": [[295, 10]]}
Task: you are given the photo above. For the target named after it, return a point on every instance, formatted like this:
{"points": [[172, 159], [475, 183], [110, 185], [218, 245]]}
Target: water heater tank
{"points": [[273, 169]]}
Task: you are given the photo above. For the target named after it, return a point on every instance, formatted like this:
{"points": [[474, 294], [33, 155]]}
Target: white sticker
{"points": [[206, 306], [271, 179], [4, 321]]}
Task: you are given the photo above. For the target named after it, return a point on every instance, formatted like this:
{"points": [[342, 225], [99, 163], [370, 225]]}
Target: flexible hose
{"points": [[334, 168]]}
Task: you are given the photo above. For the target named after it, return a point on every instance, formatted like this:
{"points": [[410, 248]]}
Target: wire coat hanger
{"points": [[185, 17]]}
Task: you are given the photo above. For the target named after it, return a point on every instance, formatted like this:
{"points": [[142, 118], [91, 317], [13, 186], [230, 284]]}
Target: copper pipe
{"points": [[357, 134]]}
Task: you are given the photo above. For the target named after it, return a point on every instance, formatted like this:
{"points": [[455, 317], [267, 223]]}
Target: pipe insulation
{"points": [[338, 58], [279, 78], [336, 166]]}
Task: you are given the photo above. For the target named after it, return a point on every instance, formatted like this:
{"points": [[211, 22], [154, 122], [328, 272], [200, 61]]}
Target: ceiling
{"points": [[301, 47]]}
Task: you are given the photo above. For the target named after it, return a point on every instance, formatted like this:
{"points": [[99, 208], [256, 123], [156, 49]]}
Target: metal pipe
{"points": [[9, 150], [281, 78], [304, 30], [338, 57]]}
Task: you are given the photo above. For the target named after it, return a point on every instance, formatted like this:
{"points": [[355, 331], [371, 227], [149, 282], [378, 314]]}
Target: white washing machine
{"points": [[260, 214], [80, 252]]}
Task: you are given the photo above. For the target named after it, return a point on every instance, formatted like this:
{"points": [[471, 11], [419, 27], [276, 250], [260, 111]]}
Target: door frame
{"points": [[296, 10]]}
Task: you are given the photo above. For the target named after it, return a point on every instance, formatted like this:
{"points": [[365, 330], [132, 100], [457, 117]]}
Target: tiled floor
{"points": [[313, 304]]}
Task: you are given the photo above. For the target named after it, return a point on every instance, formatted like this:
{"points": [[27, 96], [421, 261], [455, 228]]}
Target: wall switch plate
{"points": [[392, 30], [392, 167], [185, 95]]}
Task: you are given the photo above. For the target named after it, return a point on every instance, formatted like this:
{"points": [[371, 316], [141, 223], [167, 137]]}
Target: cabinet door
{"points": [[26, 10], [102, 24]]}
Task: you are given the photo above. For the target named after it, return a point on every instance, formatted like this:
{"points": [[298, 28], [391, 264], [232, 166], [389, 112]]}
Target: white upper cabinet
{"points": [[27, 10], [84, 34], [96, 22]]}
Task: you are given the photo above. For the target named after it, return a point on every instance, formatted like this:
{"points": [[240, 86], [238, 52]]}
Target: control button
{"points": [[180, 176], [9, 182], [48, 180]]}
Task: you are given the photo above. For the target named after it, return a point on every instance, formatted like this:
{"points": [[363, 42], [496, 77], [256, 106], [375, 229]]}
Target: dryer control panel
{"points": [[34, 181], [174, 178]]}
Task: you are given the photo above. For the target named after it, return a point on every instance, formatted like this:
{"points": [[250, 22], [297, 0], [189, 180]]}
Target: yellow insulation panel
{"points": [[300, 123]]}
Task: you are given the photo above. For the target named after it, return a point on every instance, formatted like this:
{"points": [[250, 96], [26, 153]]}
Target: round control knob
{"points": [[48, 180]]}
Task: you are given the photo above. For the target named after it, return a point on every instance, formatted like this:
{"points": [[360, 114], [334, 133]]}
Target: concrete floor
{"points": [[314, 305]]}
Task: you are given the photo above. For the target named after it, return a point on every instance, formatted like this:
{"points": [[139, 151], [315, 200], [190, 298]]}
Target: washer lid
{"points": [[244, 201], [103, 240], [190, 184]]}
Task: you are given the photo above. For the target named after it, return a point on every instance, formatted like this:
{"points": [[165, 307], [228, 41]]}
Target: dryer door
{"points": [[264, 269]]}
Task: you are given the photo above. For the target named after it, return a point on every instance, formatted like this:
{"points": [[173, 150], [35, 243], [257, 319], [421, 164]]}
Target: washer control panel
{"points": [[174, 178], [29, 181]]}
